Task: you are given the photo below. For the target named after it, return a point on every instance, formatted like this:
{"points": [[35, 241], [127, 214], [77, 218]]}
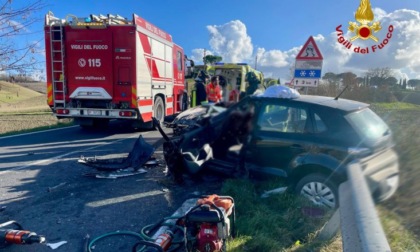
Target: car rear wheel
{"points": [[318, 189]]}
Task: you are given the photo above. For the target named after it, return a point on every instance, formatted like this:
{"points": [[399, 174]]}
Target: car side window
{"points": [[319, 124], [280, 118]]}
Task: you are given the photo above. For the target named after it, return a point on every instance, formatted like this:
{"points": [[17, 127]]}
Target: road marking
{"points": [[121, 199], [61, 156]]}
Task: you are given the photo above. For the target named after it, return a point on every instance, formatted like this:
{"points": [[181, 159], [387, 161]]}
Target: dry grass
{"points": [[22, 122], [404, 124], [24, 109]]}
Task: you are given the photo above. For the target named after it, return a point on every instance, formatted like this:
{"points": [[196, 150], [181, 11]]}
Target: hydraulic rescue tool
{"points": [[17, 236], [208, 224], [205, 227]]}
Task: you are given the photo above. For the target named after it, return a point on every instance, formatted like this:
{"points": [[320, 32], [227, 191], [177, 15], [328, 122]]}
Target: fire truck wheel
{"points": [[159, 109]]}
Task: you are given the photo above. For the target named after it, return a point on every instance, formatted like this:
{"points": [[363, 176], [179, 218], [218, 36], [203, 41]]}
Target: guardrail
{"points": [[361, 229]]}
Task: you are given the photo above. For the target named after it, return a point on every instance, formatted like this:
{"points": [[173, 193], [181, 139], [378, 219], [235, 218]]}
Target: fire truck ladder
{"points": [[57, 65]]}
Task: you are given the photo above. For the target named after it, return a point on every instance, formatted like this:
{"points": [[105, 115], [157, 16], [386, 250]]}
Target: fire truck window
{"points": [[179, 60]]}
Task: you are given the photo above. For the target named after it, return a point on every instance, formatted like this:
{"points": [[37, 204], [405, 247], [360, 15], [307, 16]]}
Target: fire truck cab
{"points": [[108, 67]]}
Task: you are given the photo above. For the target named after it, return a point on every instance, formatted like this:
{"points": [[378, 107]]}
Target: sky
{"points": [[268, 34]]}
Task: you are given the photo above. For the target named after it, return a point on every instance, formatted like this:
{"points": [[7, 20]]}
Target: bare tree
{"points": [[349, 79], [16, 53], [378, 76], [384, 72]]}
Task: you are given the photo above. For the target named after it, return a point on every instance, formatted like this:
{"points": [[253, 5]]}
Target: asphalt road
{"points": [[42, 187]]}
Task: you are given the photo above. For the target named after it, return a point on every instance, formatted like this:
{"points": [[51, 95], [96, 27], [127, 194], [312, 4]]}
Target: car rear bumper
{"points": [[382, 173]]}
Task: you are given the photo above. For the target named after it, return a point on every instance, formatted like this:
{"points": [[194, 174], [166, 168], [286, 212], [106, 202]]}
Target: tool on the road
{"points": [[210, 223], [205, 227], [17, 235]]}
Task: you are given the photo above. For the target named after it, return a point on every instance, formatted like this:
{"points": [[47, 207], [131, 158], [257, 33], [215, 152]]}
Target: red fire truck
{"points": [[108, 67]]}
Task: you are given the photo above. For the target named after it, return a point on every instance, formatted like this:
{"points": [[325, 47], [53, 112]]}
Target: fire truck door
{"points": [[89, 61]]}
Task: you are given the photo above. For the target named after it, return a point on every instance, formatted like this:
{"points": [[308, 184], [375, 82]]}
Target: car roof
{"points": [[326, 101]]}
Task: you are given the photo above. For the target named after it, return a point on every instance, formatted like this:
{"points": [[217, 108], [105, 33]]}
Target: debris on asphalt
{"points": [[56, 244], [152, 162], [138, 156], [116, 174], [52, 188]]}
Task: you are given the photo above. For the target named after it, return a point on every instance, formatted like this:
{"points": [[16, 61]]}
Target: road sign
{"points": [[308, 73], [308, 65], [303, 82], [310, 51]]}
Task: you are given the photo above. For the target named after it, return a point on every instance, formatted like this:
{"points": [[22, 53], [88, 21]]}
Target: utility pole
{"points": [[256, 60]]}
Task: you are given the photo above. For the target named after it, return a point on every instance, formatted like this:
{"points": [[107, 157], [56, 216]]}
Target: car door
{"points": [[281, 134]]}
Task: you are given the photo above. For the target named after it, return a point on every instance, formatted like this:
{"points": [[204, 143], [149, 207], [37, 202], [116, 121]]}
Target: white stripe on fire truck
{"points": [[146, 109]]}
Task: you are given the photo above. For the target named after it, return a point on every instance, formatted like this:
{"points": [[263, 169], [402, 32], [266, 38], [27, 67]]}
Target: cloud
{"points": [[408, 51], [399, 52], [272, 58], [231, 40], [198, 54]]}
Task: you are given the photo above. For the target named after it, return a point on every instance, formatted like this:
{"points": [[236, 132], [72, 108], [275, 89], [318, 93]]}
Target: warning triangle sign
{"points": [[310, 51]]}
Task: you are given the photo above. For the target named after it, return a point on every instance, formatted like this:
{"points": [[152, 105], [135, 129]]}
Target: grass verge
{"points": [[281, 222], [24, 110], [18, 128], [287, 223]]}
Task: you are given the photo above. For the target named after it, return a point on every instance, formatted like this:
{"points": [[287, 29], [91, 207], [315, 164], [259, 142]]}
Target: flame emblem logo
{"points": [[362, 28]]}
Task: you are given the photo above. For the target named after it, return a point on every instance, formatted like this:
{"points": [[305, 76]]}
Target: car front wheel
{"points": [[318, 189]]}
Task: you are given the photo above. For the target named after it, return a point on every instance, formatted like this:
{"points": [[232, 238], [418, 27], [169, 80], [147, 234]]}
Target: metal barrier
{"points": [[361, 228]]}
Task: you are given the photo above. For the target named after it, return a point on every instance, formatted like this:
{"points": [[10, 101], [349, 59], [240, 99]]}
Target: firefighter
{"points": [[253, 85], [214, 93], [253, 82], [184, 100], [200, 88]]}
